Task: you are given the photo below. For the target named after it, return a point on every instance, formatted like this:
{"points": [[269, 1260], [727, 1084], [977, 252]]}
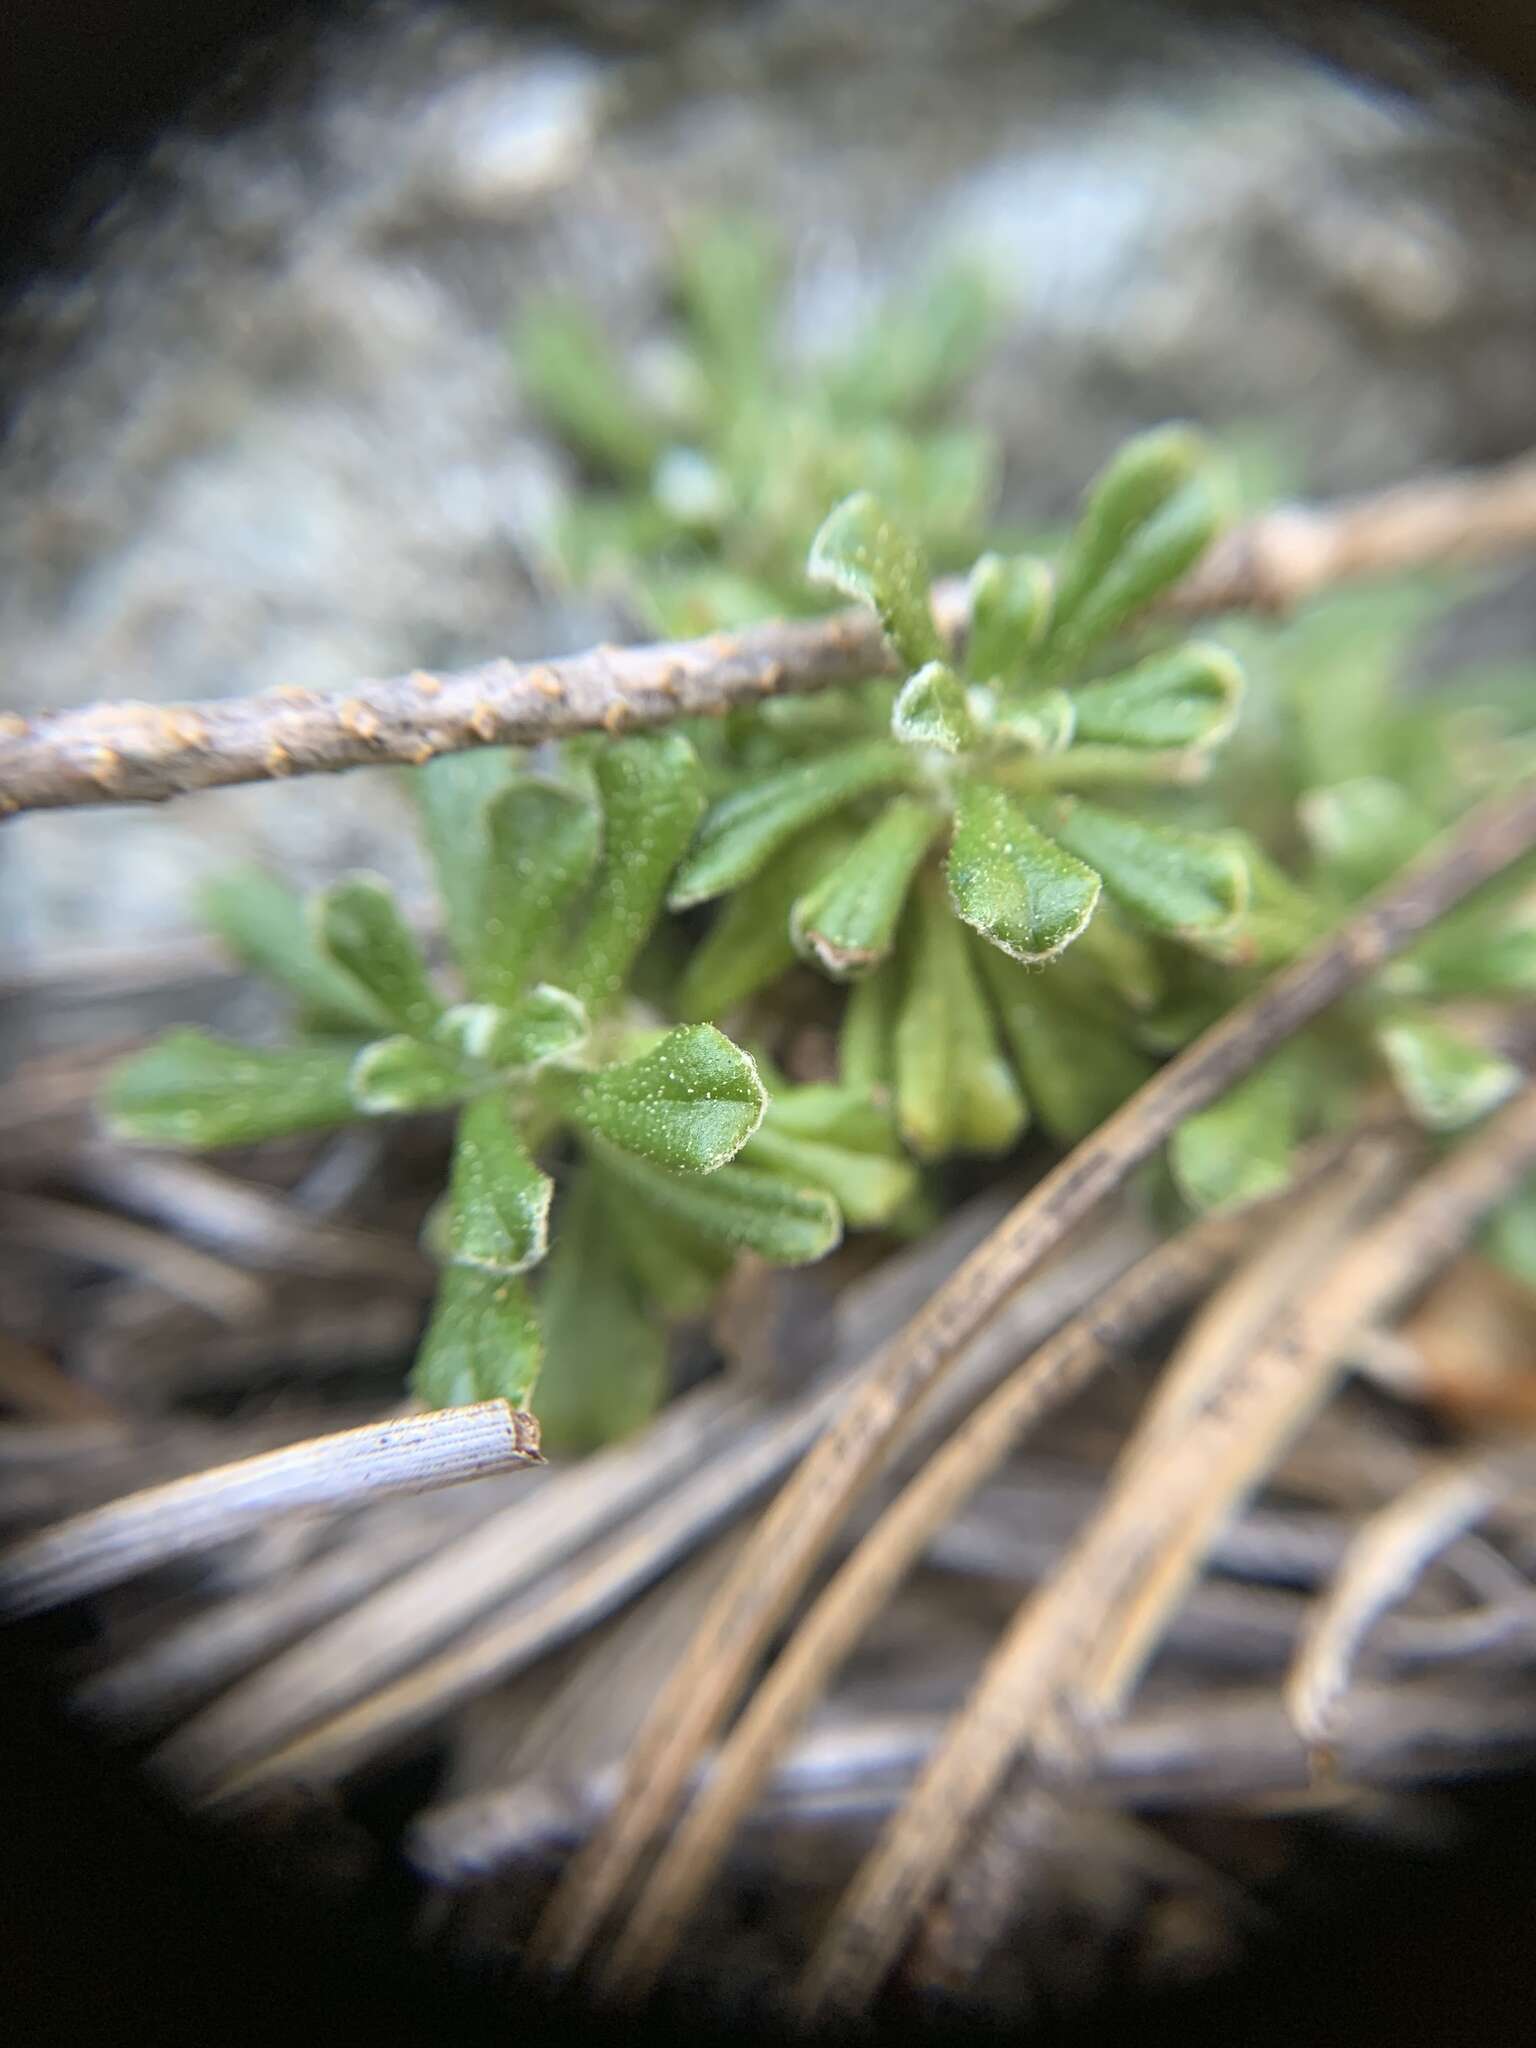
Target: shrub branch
{"points": [[145, 753]]}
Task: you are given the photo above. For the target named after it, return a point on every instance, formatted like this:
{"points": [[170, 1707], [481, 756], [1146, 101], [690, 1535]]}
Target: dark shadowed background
{"points": [[125, 1920]]}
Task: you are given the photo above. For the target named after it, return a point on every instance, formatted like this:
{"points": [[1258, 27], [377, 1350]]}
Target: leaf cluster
{"points": [[1040, 862], [705, 478], [670, 1159]]}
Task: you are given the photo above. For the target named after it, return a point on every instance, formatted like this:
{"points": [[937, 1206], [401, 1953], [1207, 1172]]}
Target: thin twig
{"points": [[145, 753], [795, 1532], [1229, 1749], [1234, 1749], [406, 1454], [438, 1596], [1172, 1274], [100, 1239], [196, 1657], [745, 1458], [1258, 1408], [596, 1585], [1240, 1321], [1279, 560], [1240, 1314], [1095, 1665], [143, 1347], [460, 1840], [1391, 1551], [248, 1223], [31, 1381]]}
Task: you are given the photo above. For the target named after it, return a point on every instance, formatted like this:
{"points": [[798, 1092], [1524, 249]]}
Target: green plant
{"points": [[670, 1157], [1017, 785], [703, 488], [1350, 771], [1040, 862]]}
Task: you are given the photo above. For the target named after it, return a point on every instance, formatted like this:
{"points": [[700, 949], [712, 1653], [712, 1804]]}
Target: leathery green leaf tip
{"points": [[863, 552], [689, 1104], [1011, 883]]}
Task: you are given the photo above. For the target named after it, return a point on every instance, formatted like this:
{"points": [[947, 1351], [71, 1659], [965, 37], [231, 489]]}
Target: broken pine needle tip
{"points": [[403, 1454]]}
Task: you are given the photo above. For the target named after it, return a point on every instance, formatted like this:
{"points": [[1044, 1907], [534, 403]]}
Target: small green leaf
{"points": [[942, 485], [1077, 1068], [865, 1044], [198, 1092], [931, 711], [1476, 956], [605, 1359], [1010, 602], [263, 923], [1189, 698], [1509, 1237], [1242, 1147], [837, 1139], [749, 944], [693, 491], [745, 829], [727, 278], [1279, 920], [358, 923], [917, 349], [1121, 958], [1045, 722], [546, 1024], [1364, 830], [1015, 886], [542, 849], [402, 1076], [677, 1269], [1189, 884], [847, 922], [954, 1090], [574, 378], [740, 1206], [652, 791], [1171, 542], [835, 1113], [1446, 1080], [1338, 660], [451, 794], [688, 603], [867, 556], [1125, 526], [498, 1214], [482, 1343], [689, 1104], [607, 538], [804, 725]]}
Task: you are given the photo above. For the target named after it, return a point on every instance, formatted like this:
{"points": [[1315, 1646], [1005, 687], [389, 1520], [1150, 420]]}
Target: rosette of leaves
{"points": [[1360, 771], [670, 1157], [969, 826], [706, 482]]}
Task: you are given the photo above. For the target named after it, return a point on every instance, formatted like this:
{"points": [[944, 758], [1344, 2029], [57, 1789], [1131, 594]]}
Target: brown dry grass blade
{"points": [[1158, 1284], [963, 1927], [793, 1535], [1235, 1438], [405, 1454], [1391, 1550]]}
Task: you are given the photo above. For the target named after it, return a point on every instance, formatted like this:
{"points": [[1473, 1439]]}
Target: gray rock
{"points": [[268, 432]]}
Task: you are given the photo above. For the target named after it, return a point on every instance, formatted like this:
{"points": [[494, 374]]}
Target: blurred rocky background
{"points": [[265, 426]]}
